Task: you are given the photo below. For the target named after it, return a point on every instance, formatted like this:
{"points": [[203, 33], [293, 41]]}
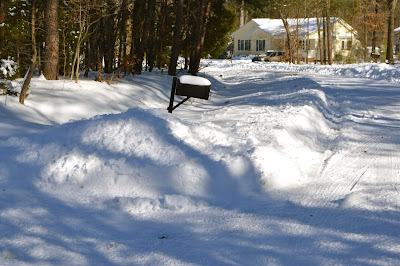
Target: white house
{"points": [[261, 35]]}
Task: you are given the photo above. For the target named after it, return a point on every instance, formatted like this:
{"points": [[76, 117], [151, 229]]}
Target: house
{"points": [[397, 40], [261, 35]]}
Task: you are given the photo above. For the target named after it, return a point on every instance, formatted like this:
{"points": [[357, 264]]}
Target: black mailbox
{"points": [[189, 86], [192, 86]]}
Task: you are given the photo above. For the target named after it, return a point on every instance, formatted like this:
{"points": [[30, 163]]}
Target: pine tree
{"points": [[177, 37], [390, 39], [50, 69], [198, 34]]}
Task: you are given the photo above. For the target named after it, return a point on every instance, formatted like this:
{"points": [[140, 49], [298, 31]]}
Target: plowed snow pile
{"points": [[279, 167]]}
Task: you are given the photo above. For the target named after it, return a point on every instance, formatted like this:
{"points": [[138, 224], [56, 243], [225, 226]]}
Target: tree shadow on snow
{"points": [[237, 227]]}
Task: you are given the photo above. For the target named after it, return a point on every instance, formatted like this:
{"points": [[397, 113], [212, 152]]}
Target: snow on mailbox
{"points": [[189, 86]]}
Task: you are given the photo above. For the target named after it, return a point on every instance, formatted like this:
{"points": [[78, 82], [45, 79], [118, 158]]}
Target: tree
{"points": [[329, 30], [176, 39], [390, 39], [32, 67], [109, 36], [3, 18], [123, 31], [221, 23], [320, 41], [198, 34], [50, 69]]}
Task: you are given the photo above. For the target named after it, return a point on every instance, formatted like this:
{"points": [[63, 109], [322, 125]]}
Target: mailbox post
{"points": [[189, 86]]}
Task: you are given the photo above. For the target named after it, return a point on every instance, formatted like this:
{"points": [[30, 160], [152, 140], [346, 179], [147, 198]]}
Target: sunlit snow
{"points": [[283, 165]]}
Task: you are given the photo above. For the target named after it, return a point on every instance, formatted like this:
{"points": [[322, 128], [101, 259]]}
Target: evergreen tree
{"points": [[50, 69]]}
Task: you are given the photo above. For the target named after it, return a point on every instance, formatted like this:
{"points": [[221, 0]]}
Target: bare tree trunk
{"points": [[199, 35], [308, 38], [137, 26], [289, 37], [150, 47], [142, 45], [3, 11], [365, 35], [3, 18], [390, 39], [297, 41], [29, 76], [374, 32], [329, 31], [50, 69], [122, 32], [75, 63], [161, 32], [320, 48], [109, 38], [176, 38], [39, 64], [324, 40], [242, 20]]}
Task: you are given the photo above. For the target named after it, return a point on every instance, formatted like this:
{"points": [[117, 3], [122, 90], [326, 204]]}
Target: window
{"points": [[243, 45], [346, 45], [349, 44], [303, 44], [260, 45]]}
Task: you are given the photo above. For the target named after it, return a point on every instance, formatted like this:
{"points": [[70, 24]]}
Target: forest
{"points": [[66, 38]]}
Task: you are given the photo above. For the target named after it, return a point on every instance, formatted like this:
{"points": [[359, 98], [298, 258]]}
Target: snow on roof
{"points": [[345, 36], [276, 27], [397, 30]]}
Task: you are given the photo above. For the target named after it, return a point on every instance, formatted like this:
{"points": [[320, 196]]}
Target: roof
{"points": [[276, 27]]}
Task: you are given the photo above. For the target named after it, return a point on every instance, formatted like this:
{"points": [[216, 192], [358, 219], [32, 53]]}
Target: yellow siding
{"points": [[249, 32]]}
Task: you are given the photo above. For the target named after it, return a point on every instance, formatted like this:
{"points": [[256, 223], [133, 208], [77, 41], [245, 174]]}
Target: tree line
{"points": [[120, 36], [77, 34], [374, 21]]}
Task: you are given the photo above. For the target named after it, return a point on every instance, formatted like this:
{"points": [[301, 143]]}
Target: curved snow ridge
{"points": [[295, 154], [126, 155], [382, 71]]}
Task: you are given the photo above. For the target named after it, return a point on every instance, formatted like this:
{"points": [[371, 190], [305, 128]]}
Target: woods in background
{"points": [[122, 36]]}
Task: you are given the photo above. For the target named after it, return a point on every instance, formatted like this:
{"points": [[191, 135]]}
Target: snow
{"points": [[276, 27], [284, 164], [194, 80], [8, 68]]}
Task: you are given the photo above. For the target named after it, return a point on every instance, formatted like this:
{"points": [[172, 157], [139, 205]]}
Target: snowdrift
{"points": [[279, 167], [147, 160], [373, 71]]}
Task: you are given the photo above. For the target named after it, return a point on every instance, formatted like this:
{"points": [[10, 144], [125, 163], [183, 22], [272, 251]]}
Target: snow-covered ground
{"points": [[284, 165]]}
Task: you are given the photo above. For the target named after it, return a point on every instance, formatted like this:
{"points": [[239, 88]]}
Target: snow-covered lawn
{"points": [[284, 165]]}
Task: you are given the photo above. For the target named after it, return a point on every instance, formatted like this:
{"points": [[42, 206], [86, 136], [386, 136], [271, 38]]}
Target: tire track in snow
{"points": [[395, 163], [375, 167], [394, 178], [333, 185], [365, 154]]}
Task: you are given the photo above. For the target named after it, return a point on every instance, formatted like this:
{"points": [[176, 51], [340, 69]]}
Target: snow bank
{"points": [[129, 157], [295, 154], [255, 175], [372, 71]]}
